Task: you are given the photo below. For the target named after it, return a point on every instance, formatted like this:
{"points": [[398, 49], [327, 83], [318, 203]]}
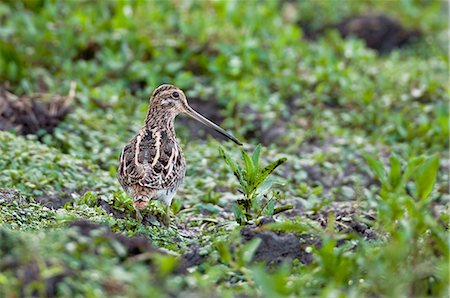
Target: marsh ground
{"points": [[361, 124]]}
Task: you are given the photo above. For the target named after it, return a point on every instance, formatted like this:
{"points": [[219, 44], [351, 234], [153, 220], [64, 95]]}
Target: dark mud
{"points": [[134, 245], [381, 33], [136, 86], [137, 245], [330, 180], [276, 247], [253, 122], [55, 200], [88, 52], [111, 210], [191, 258], [349, 218], [31, 114]]}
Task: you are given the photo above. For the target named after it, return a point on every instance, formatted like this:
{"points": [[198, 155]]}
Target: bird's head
{"points": [[171, 101]]}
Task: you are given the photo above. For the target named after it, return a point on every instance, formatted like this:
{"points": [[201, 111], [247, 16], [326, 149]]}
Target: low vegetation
{"points": [[347, 195]]}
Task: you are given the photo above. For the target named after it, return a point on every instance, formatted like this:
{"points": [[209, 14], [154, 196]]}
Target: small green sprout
{"points": [[394, 181], [406, 187], [255, 185]]}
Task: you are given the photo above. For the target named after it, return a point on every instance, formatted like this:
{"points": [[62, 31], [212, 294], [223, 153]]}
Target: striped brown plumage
{"points": [[152, 165]]}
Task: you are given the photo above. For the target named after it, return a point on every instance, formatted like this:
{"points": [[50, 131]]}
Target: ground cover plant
{"points": [[347, 195]]}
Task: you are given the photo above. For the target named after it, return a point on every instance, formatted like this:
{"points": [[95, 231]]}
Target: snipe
{"points": [[152, 165]]}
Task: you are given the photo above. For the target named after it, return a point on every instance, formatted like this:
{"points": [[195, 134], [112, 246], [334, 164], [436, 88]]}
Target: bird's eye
{"points": [[175, 94]]}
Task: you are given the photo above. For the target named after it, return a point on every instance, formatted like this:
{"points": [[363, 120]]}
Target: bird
{"points": [[152, 165]]}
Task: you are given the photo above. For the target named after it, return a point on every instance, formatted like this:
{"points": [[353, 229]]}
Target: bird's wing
{"points": [[151, 160]]}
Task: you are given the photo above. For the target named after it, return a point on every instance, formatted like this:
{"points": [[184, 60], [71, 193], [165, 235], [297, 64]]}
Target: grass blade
{"points": [[425, 177]]}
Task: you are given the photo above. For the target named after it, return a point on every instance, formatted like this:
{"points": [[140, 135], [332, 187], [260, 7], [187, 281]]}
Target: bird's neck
{"points": [[160, 120]]}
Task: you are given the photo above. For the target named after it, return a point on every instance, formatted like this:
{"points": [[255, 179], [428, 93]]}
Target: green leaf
{"points": [[297, 227], [396, 171], [269, 169], [256, 154], [165, 263], [249, 168], [224, 251], [377, 168], [270, 284], [248, 250], [282, 209], [270, 207], [227, 159], [265, 186], [254, 183], [239, 216], [331, 219], [425, 177], [235, 168], [410, 169]]}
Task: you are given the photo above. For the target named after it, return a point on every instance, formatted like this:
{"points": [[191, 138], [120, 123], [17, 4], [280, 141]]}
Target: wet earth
{"points": [[34, 113], [275, 246], [139, 247], [381, 33]]}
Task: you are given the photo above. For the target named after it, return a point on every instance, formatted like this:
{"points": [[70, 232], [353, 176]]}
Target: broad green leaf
{"points": [[410, 169], [377, 168], [269, 169], [235, 168], [440, 235], [238, 214], [256, 202], [255, 156], [165, 263], [248, 250], [425, 177], [224, 251], [249, 168], [270, 207], [266, 283], [282, 209], [264, 187], [395, 174], [227, 159], [331, 220], [298, 227]]}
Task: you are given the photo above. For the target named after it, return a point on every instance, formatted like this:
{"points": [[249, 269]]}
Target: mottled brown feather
{"points": [[153, 161]]}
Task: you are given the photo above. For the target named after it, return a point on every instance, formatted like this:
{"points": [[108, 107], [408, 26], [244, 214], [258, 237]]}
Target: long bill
{"points": [[192, 113]]}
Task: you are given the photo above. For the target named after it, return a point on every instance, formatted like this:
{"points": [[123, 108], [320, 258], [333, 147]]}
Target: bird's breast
{"points": [[152, 159]]}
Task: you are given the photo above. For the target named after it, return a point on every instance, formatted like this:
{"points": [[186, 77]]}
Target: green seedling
{"points": [[255, 183], [422, 171]]}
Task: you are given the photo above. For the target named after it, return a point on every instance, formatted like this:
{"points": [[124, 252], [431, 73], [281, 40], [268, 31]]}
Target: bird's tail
{"points": [[141, 198], [141, 201]]}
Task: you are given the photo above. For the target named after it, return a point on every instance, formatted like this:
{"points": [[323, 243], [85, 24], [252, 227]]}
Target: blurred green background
{"points": [[280, 73]]}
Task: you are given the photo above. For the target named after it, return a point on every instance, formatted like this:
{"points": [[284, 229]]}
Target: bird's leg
{"points": [[138, 215], [166, 218]]}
